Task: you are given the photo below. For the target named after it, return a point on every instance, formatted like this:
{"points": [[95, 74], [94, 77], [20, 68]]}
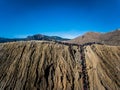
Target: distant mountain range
{"points": [[44, 37], [110, 38], [34, 37], [50, 65]]}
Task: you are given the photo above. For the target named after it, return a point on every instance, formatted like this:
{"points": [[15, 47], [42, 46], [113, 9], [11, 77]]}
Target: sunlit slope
{"points": [[42, 65], [110, 38], [39, 66], [103, 66]]}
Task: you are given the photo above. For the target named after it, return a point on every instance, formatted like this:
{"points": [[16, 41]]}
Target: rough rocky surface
{"points": [[52, 66]]}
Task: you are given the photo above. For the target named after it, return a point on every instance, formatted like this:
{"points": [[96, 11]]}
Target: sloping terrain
{"points": [[103, 65], [110, 38], [46, 65], [88, 37], [39, 66]]}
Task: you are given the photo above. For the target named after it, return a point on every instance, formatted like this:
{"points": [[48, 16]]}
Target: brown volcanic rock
{"points": [[52, 66]]}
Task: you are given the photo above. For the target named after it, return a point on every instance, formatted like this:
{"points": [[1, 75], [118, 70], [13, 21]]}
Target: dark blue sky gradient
{"points": [[66, 18]]}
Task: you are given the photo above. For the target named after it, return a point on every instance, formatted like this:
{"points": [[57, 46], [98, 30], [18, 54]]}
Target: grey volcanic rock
{"points": [[47, 65]]}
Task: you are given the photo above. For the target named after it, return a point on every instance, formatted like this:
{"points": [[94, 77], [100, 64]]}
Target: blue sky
{"points": [[65, 18]]}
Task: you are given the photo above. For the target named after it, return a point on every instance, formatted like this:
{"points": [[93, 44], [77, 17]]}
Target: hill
{"points": [[110, 38], [86, 38]]}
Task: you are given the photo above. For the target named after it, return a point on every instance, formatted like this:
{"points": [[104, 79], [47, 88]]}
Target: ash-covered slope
{"points": [[103, 66], [52, 66], [39, 66]]}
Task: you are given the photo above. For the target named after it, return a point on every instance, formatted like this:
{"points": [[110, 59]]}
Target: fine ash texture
{"points": [[103, 66], [37, 65]]}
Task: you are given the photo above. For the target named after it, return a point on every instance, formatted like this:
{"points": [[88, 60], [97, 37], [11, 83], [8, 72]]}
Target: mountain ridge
{"points": [[109, 38], [34, 37]]}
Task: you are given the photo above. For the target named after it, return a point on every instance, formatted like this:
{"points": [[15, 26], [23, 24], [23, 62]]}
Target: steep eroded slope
{"points": [[103, 66], [39, 66]]}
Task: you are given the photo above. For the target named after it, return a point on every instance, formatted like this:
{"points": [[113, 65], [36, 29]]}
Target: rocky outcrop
{"points": [[38, 65]]}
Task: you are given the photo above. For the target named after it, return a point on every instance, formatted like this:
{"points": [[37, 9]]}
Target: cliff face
{"points": [[52, 66]]}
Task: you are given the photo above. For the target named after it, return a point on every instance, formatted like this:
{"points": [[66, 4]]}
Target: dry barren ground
{"points": [[37, 65]]}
